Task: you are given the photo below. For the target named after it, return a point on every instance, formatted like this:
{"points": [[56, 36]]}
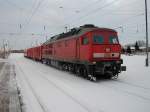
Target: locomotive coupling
{"points": [[123, 68]]}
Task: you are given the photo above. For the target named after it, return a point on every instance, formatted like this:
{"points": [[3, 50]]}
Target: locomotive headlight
{"points": [[98, 55], [115, 55]]}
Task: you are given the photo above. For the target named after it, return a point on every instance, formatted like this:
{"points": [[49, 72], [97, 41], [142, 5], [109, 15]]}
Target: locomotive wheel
{"points": [[73, 69], [70, 68], [64, 67], [81, 71], [77, 70], [43, 61], [84, 72]]}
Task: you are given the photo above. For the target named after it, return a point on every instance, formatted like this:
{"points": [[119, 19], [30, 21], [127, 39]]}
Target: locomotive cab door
{"points": [[78, 48]]}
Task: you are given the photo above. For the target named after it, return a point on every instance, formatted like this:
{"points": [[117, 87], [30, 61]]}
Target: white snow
{"points": [[46, 89]]}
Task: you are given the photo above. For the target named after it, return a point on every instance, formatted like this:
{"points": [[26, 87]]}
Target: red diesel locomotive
{"points": [[88, 51]]}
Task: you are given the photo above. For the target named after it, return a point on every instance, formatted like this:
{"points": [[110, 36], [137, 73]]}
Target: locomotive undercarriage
{"points": [[107, 69], [89, 71]]}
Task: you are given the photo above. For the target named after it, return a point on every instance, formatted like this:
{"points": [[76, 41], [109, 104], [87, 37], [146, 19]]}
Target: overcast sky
{"points": [[22, 21]]}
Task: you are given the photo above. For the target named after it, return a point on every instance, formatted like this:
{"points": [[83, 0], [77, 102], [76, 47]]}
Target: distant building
{"points": [[143, 49], [17, 51], [133, 51]]}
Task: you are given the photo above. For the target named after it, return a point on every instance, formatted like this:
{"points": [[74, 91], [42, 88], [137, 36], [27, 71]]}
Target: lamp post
{"points": [[146, 20]]}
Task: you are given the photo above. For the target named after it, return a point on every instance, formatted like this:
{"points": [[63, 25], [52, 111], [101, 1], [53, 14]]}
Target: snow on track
{"points": [[46, 89]]}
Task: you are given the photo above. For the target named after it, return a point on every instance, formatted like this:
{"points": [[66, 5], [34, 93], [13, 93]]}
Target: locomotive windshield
{"points": [[98, 39], [113, 40]]}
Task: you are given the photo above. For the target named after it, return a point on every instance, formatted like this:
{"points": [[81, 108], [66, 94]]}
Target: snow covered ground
{"points": [[47, 89]]}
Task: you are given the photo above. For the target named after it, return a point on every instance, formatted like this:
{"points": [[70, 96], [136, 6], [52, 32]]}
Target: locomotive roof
{"points": [[76, 32]]}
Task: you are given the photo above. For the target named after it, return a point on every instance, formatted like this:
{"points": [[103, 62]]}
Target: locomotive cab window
{"points": [[85, 41], [113, 40], [98, 39]]}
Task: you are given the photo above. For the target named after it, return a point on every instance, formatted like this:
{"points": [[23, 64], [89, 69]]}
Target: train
{"points": [[88, 51]]}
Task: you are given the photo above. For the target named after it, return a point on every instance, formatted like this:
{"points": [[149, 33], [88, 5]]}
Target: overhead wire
{"points": [[135, 15], [23, 10], [14, 33], [87, 6], [106, 5], [31, 10], [95, 11], [91, 12], [84, 8], [102, 15], [128, 19], [33, 13]]}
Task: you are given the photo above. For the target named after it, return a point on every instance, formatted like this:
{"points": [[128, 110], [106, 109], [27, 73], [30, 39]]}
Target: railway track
{"points": [[43, 107], [67, 94], [128, 92], [86, 108], [113, 86], [131, 84], [74, 93], [75, 100], [42, 73]]}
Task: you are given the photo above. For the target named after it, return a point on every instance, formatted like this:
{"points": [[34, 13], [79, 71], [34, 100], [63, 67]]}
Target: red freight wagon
{"points": [[34, 53], [37, 53], [29, 53]]}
